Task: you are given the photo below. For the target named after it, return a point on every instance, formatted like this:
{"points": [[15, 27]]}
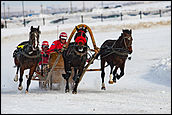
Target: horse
{"points": [[75, 57], [115, 53], [27, 57]]}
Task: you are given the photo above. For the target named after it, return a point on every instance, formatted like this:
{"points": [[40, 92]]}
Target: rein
{"points": [[28, 56], [80, 54], [118, 53], [77, 53], [121, 52]]}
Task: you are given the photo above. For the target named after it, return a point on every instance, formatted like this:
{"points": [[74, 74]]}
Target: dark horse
{"points": [[75, 56], [115, 53], [27, 56]]}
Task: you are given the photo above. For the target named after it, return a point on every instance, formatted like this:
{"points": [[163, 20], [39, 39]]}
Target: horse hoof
{"points": [[111, 82], [114, 81], [67, 90], [103, 88], [118, 77], [74, 92], [20, 88], [26, 92], [16, 78]]}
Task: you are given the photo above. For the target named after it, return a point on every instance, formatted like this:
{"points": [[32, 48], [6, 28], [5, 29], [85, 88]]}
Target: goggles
{"points": [[64, 38]]}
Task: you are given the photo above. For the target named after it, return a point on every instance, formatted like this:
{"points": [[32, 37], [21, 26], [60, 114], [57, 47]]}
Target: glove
{"points": [[60, 51], [56, 50]]}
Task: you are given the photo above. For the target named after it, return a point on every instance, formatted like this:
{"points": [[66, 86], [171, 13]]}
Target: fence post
{"points": [[5, 24], [101, 17], [62, 20], [121, 16], [57, 30], [82, 21], [24, 22], [140, 14], [160, 13], [43, 21]]}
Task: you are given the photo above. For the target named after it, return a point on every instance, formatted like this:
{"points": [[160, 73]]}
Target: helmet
{"points": [[63, 35], [45, 44]]}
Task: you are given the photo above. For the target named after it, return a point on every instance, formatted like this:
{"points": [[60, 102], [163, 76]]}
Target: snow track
{"points": [[145, 87]]}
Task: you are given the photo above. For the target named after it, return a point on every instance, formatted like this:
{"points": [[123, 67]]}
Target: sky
{"points": [[35, 5]]}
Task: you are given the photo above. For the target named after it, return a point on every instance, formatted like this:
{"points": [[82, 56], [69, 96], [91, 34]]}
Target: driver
{"points": [[57, 45]]}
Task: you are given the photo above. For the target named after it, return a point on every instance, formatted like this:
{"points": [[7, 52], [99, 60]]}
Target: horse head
{"points": [[34, 37], [81, 38], [127, 39]]}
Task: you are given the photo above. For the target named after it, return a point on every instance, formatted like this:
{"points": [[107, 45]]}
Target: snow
{"points": [[145, 87]]}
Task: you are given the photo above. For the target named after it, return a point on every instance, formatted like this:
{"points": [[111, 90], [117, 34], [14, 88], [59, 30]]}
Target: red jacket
{"points": [[45, 56], [56, 45]]}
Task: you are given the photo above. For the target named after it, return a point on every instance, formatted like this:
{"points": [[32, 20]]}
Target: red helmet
{"points": [[45, 44], [63, 35]]}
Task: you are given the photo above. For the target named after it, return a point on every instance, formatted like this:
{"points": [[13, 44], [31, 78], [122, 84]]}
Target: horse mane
{"points": [[126, 31]]}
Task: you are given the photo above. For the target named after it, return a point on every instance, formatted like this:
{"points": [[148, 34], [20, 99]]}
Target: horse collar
{"points": [[80, 54]]}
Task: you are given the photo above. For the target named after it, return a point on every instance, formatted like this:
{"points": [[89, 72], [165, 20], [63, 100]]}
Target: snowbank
{"points": [[160, 72]]}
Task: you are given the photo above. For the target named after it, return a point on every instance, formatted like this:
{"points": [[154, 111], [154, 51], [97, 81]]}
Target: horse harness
{"points": [[76, 52], [34, 35], [24, 49], [122, 52]]}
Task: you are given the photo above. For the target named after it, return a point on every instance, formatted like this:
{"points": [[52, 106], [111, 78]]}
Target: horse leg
{"points": [[75, 74], [32, 70], [16, 77], [114, 74], [110, 76], [77, 80], [67, 85], [68, 71], [20, 87], [66, 76], [103, 74], [121, 73]]}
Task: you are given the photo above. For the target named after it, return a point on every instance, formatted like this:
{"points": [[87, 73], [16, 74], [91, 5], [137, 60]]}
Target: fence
{"points": [[101, 16]]}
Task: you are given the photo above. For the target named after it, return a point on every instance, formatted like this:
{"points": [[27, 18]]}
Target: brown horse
{"points": [[115, 53], [75, 56], [27, 57]]}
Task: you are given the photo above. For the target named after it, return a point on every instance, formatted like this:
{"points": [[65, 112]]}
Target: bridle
{"points": [[123, 39], [34, 36], [80, 40], [125, 44], [121, 51]]}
